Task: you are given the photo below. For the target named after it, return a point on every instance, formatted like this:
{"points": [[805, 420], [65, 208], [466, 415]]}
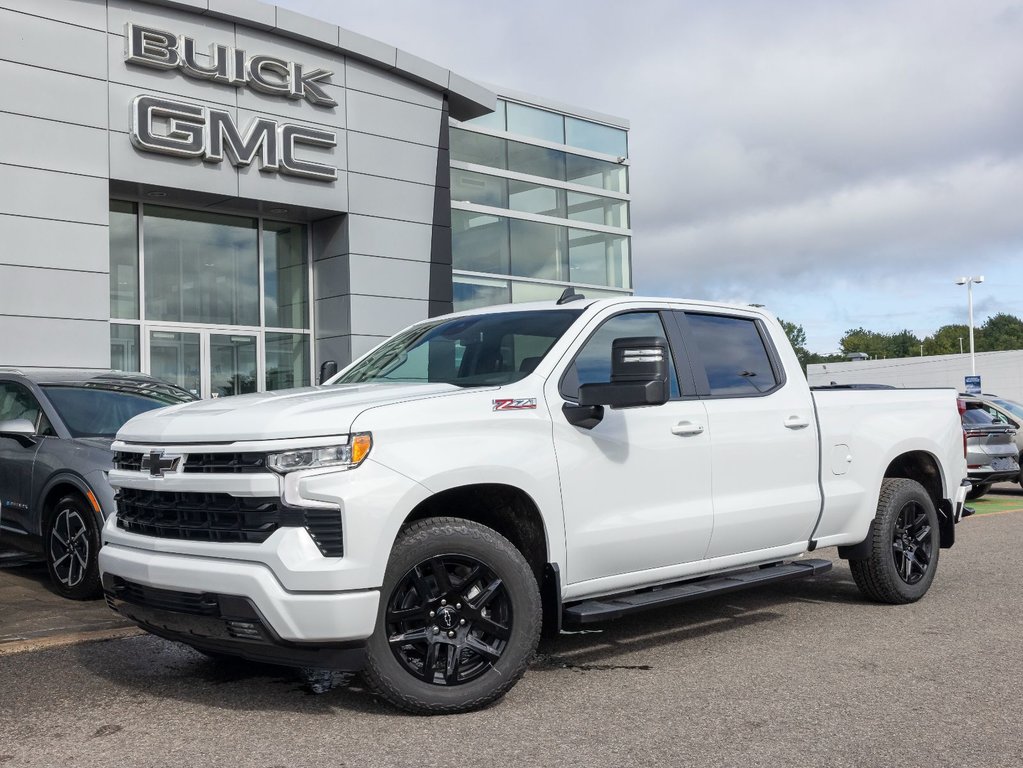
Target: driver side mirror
{"points": [[328, 369], [639, 375], [22, 430]]}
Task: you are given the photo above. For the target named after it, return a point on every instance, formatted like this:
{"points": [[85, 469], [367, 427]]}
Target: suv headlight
{"points": [[347, 456]]}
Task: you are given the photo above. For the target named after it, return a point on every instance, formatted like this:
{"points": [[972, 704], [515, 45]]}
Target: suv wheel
{"points": [[459, 618], [72, 546]]}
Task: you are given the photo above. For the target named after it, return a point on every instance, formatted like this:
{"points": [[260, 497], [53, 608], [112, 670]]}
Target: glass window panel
{"points": [[285, 275], [598, 210], [478, 148], [124, 347], [592, 365], [596, 173], [232, 365], [478, 188], [536, 292], [596, 137], [287, 360], [536, 161], [475, 292], [538, 250], [124, 261], [533, 198], [200, 267], [733, 354], [174, 357], [598, 259], [479, 242], [495, 120], [538, 123]]}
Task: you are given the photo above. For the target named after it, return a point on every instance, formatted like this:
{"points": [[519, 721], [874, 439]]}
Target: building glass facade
{"points": [[540, 202]]}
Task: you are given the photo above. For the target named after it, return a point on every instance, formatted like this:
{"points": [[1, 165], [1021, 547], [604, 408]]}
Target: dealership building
{"points": [[226, 194]]}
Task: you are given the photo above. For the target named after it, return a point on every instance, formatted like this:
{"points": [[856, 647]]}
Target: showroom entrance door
{"points": [[208, 362]]}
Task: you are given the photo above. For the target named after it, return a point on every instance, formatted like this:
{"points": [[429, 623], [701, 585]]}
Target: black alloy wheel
{"points": [[72, 546], [912, 543], [449, 619]]}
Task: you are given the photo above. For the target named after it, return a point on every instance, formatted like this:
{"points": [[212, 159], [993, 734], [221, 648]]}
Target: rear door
{"points": [[16, 460], [636, 487], [763, 434]]}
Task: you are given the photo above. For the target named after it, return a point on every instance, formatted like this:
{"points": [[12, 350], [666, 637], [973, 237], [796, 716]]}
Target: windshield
{"points": [[1010, 406], [473, 351], [96, 409]]}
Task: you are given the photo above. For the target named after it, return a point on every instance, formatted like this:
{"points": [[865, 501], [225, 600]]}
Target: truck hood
{"points": [[290, 413]]}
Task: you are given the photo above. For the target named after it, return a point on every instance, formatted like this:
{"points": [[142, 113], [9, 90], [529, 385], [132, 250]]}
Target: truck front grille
{"points": [[197, 516], [226, 463], [223, 518]]}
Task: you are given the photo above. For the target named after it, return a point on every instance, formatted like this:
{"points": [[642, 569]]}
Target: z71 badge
{"points": [[515, 404]]}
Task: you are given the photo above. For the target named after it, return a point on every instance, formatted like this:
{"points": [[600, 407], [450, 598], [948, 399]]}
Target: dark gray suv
{"points": [[56, 429]]}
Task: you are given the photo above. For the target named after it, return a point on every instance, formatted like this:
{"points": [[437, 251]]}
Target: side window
{"points": [[734, 355], [997, 416], [16, 402], [592, 364]]}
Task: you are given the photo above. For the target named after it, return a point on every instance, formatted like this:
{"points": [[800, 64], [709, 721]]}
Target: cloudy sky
{"points": [[841, 162]]}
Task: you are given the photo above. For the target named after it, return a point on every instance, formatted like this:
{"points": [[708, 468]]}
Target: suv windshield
{"points": [[478, 350], [99, 409]]}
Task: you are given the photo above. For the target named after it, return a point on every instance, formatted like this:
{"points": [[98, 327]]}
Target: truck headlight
{"points": [[347, 456]]}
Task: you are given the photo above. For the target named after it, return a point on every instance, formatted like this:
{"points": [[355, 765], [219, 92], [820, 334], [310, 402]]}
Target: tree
{"points": [[1000, 332], [903, 344], [797, 338], [861, 340], [945, 340]]}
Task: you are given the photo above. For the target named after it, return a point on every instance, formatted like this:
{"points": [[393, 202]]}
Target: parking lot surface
{"points": [[801, 674]]}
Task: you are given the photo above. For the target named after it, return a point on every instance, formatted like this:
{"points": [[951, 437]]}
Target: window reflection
{"points": [[124, 261], [538, 250], [479, 242], [287, 360], [286, 275]]}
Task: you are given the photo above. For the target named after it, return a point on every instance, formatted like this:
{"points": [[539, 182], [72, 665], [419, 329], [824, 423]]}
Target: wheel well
{"points": [[922, 467], [508, 510], [54, 495]]}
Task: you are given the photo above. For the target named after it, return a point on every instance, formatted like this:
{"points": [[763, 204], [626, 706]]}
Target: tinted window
{"points": [[734, 355], [477, 350], [976, 415], [592, 365], [16, 402], [92, 411]]}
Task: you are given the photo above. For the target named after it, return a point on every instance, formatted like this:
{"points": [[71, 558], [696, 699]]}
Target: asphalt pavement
{"points": [[800, 674]]}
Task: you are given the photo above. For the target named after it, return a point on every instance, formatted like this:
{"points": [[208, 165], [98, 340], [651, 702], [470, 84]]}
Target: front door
{"points": [[635, 488], [206, 362]]}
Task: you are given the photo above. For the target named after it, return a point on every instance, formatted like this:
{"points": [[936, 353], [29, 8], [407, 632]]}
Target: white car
{"points": [[482, 474]]}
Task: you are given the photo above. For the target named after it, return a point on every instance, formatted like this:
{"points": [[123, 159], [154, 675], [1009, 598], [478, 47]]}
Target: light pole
{"points": [[968, 282]]}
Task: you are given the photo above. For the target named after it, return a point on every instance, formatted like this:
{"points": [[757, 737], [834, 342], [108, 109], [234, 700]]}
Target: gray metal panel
{"points": [[35, 292], [256, 14], [38, 143], [422, 70], [331, 316], [372, 79], [378, 316], [203, 29], [54, 343], [83, 13], [120, 98], [294, 111], [50, 44], [336, 348], [394, 278], [331, 277], [52, 195], [292, 190], [397, 119], [128, 164], [374, 236], [38, 92], [270, 43], [45, 243], [330, 237], [379, 156], [366, 47], [392, 199], [360, 345], [193, 6], [306, 27]]}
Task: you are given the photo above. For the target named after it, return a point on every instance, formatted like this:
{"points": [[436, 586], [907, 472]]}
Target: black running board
{"points": [[615, 606]]}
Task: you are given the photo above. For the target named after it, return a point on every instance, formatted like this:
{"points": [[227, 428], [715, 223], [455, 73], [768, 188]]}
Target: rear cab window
{"points": [[736, 354]]}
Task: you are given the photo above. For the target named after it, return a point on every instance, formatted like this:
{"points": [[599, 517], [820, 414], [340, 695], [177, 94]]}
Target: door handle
{"points": [[687, 428], [797, 422]]}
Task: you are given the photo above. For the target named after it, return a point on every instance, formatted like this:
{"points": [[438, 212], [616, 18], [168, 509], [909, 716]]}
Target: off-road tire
{"points": [[73, 580], [437, 538], [878, 576]]}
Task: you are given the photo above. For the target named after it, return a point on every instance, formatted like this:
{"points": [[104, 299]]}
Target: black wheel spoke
{"points": [[407, 614], [454, 661], [484, 598], [413, 636], [488, 652], [420, 584], [500, 631], [430, 662], [440, 573]]}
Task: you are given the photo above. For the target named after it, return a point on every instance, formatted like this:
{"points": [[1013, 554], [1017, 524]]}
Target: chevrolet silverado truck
{"points": [[488, 475]]}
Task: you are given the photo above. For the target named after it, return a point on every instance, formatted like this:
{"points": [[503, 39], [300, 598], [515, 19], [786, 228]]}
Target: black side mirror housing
{"points": [[328, 369], [639, 375]]}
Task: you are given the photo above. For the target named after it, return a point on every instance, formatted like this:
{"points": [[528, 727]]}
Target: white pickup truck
{"points": [[488, 474]]}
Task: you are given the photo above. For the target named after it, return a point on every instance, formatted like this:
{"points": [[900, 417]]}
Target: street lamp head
{"points": [[962, 281], [979, 279]]}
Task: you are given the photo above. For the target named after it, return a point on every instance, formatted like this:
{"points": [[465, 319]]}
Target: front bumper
{"points": [[288, 617]]}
